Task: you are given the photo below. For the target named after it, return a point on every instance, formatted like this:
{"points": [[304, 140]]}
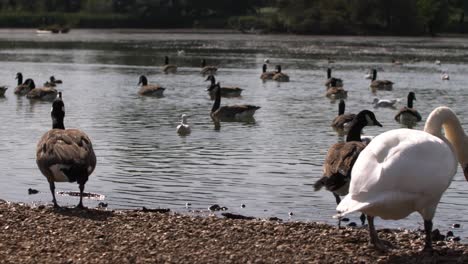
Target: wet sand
{"points": [[47, 235]]}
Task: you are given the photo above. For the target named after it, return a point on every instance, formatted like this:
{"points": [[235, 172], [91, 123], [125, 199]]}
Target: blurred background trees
{"points": [[402, 17]]}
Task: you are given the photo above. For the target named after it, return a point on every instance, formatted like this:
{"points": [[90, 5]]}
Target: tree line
{"points": [[402, 17]]}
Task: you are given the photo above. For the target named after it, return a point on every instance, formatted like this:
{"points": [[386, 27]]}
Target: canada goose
{"points": [[279, 76], [52, 82], [22, 88], [207, 69], [384, 102], [168, 68], [404, 171], [183, 128], [149, 89], [396, 62], [338, 82], [3, 90], [267, 75], [341, 157], [342, 120], [408, 115], [445, 76], [231, 112], [380, 84], [41, 93], [225, 91], [65, 155], [336, 92]]}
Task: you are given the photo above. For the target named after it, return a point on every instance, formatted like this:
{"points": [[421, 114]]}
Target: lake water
{"points": [[270, 165]]}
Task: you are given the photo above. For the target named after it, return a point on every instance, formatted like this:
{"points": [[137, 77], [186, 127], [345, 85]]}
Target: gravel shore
{"points": [[46, 235]]}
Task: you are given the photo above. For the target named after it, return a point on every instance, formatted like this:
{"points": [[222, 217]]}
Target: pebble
{"points": [[32, 191], [456, 226]]}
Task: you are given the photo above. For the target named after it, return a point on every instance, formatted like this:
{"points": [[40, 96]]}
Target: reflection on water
{"points": [[269, 165]]}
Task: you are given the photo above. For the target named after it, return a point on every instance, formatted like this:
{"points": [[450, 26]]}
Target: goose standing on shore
{"points": [[280, 76], [168, 68], [207, 69], [341, 157], [266, 75], [183, 128], [408, 115], [149, 89], [380, 84], [225, 91], [342, 121], [22, 88], [404, 171], [231, 112], [41, 93], [65, 155]]}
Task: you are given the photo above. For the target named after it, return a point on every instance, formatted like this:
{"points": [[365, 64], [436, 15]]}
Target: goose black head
{"points": [[58, 112], [143, 80], [203, 63], [362, 119], [52, 79], [30, 83], [19, 77], [374, 74], [329, 72], [341, 107]]}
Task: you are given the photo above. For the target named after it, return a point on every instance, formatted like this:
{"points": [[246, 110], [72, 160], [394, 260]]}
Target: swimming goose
{"points": [[334, 91], [384, 102], [183, 128], [338, 82], [380, 84], [225, 91], [408, 115], [342, 120], [65, 155], [52, 82], [267, 75], [279, 76], [341, 157], [207, 69], [231, 112], [404, 171], [149, 89], [41, 93], [168, 68], [22, 88], [3, 90]]}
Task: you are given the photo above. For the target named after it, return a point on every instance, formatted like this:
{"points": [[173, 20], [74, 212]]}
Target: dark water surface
{"points": [[269, 165]]}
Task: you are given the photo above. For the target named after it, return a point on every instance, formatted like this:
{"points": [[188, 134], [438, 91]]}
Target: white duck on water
{"points": [[183, 128], [404, 171]]}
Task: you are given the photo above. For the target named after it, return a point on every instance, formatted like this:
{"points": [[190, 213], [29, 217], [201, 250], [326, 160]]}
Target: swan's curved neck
{"points": [[445, 118]]}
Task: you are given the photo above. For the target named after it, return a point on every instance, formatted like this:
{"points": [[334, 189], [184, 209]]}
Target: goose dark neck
{"points": [[57, 123], [341, 108], [264, 68], [329, 73], [20, 79], [203, 63], [143, 81], [278, 69], [166, 60], [374, 75], [355, 131], [217, 102], [410, 101], [213, 80]]}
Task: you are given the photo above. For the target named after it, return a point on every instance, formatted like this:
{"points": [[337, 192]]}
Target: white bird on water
{"points": [[184, 128]]}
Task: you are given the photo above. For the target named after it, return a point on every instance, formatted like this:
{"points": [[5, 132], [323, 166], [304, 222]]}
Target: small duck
{"points": [[3, 90], [338, 82], [183, 128], [445, 76], [279, 76], [384, 102], [149, 89], [22, 88], [380, 84], [52, 82], [207, 69], [41, 93], [168, 68], [231, 112], [408, 115], [266, 75], [225, 91]]}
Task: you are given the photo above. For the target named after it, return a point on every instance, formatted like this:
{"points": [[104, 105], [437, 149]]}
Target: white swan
{"points": [[403, 171], [184, 128], [384, 102]]}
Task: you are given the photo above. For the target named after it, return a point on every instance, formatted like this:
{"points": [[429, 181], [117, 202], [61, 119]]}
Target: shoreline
{"points": [[46, 235]]}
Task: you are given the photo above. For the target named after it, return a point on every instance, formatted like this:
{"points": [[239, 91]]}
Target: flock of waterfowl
{"points": [[389, 176]]}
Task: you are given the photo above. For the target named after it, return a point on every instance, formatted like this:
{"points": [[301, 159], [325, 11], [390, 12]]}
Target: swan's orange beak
{"points": [[465, 171]]}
